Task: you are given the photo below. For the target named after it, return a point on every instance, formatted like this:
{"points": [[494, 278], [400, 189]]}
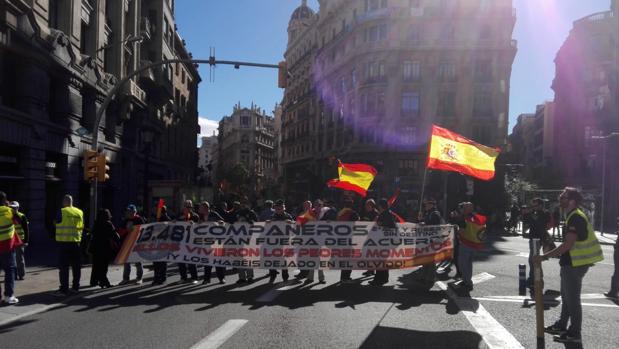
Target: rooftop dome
{"points": [[302, 12]]}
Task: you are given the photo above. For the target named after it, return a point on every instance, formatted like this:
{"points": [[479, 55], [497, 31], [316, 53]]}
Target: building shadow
{"points": [[389, 337]]}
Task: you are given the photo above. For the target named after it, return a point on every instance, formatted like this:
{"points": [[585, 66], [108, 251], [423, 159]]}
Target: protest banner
{"points": [[278, 245]]}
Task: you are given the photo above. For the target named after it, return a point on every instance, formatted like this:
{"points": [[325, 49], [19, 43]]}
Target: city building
{"points": [[58, 61], [586, 87], [246, 139], [205, 159], [368, 78]]}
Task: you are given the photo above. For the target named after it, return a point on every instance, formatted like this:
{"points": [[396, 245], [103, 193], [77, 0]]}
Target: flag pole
{"points": [[423, 189]]}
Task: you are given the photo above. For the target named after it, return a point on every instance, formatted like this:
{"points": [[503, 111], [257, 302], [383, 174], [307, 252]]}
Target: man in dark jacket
{"points": [[206, 215], [161, 268], [244, 214], [280, 215], [188, 215], [385, 219], [132, 219], [536, 220]]}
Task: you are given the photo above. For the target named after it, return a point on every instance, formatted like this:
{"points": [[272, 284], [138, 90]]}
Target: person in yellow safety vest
{"points": [[68, 236], [21, 228], [7, 250], [580, 250]]}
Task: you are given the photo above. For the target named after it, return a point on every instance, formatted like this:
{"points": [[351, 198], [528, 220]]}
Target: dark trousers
{"points": [[219, 271], [100, 266], [160, 269], [381, 276], [7, 262], [70, 256], [345, 274], [273, 273], [614, 282], [193, 270], [571, 307]]}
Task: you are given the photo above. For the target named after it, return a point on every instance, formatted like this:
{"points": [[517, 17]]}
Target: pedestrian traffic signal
{"points": [[90, 165], [282, 75], [103, 170]]}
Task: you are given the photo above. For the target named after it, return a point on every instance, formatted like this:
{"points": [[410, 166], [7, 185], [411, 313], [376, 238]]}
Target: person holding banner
{"points": [[471, 235], [206, 215], [132, 219], [385, 219], [430, 216], [244, 214], [369, 214], [307, 215], [579, 251], [317, 214], [347, 214], [280, 215], [161, 268], [189, 215]]}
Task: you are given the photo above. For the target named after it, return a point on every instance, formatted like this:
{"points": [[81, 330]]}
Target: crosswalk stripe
{"points": [[493, 333], [220, 335]]}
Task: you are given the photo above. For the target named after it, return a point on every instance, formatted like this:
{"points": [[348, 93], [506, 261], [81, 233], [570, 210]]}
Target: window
{"points": [[408, 167], [380, 103], [448, 33], [446, 103], [482, 105], [414, 3], [409, 136], [410, 103], [411, 70], [245, 121], [447, 71], [183, 77], [483, 70], [245, 139], [353, 77], [484, 5], [485, 33], [376, 33], [413, 34], [342, 85]]}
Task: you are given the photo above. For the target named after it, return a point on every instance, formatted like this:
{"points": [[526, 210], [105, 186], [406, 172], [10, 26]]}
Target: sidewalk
{"points": [[606, 239], [35, 291]]}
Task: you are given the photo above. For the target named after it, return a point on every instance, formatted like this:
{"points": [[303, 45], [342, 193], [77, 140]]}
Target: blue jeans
{"points": [[465, 263], [7, 262], [571, 307]]}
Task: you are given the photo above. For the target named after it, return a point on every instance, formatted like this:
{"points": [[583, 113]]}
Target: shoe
{"points": [[377, 283], [206, 281], [74, 291], [567, 338], [284, 278], [223, 281], [10, 300], [124, 282], [272, 279], [241, 281], [612, 294], [249, 280], [60, 293], [20, 278], [322, 282], [347, 281], [368, 273], [307, 282], [138, 281], [193, 281], [555, 329]]}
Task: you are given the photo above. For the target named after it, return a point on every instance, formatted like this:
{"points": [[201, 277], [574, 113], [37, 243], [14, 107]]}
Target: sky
{"points": [[255, 31]]}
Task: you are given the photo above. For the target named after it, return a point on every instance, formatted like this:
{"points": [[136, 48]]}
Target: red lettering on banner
{"points": [[278, 252]]}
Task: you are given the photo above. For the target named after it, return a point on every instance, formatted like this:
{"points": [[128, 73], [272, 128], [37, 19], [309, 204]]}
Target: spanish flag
{"points": [[450, 151], [353, 177]]}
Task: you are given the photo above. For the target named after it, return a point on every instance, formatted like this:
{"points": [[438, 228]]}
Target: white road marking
{"points": [[220, 335], [530, 301], [493, 333], [273, 293], [479, 278], [523, 254]]}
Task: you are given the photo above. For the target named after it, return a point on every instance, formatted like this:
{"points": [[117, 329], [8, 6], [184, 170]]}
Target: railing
{"points": [[132, 89], [596, 17]]}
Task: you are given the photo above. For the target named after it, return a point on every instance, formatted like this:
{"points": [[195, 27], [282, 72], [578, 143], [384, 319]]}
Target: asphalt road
{"points": [[292, 315]]}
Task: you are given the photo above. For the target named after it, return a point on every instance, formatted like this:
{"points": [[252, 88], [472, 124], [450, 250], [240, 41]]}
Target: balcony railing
{"points": [[133, 90]]}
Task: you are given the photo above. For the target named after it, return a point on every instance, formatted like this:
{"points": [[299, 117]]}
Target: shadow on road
{"points": [[389, 337], [10, 326]]}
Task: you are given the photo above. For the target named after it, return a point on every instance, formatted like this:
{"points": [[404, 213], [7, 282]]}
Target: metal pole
{"points": [[108, 99], [538, 283], [603, 185]]}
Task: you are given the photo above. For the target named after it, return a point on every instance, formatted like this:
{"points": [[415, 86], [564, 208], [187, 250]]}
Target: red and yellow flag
{"points": [[450, 151], [353, 177]]}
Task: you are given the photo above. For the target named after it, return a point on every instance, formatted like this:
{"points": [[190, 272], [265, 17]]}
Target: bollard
{"points": [[538, 274], [522, 278]]}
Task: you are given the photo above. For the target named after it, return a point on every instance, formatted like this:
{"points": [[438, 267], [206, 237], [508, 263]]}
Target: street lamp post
{"points": [[605, 139], [108, 99], [147, 139]]}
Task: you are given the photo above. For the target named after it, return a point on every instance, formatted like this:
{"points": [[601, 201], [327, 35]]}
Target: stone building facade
{"points": [[369, 77], [58, 60], [247, 137]]}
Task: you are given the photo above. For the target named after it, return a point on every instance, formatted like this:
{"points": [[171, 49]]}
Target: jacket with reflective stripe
{"points": [[7, 229], [70, 227], [18, 227], [588, 251]]}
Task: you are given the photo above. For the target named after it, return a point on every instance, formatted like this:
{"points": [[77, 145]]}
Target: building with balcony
{"points": [[586, 87], [58, 61], [247, 138], [369, 78]]}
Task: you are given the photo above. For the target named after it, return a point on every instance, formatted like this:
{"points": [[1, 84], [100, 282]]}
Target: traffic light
{"points": [[102, 168], [90, 165], [282, 75]]}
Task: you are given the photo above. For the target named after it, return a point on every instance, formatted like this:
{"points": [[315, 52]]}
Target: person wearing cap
{"points": [[160, 269], [7, 251], [188, 215], [267, 212], [132, 219], [280, 215], [21, 228], [244, 214]]}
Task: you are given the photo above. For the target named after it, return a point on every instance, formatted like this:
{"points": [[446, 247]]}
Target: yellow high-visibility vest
{"points": [[18, 227], [588, 251], [70, 227], [7, 228]]}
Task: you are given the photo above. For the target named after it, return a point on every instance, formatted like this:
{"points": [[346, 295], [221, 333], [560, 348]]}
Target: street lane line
{"points": [[523, 254], [220, 335], [493, 333], [273, 293], [479, 278]]}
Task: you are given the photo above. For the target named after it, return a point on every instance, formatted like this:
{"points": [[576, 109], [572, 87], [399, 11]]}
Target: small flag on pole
{"points": [[353, 177], [159, 207], [450, 151]]}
